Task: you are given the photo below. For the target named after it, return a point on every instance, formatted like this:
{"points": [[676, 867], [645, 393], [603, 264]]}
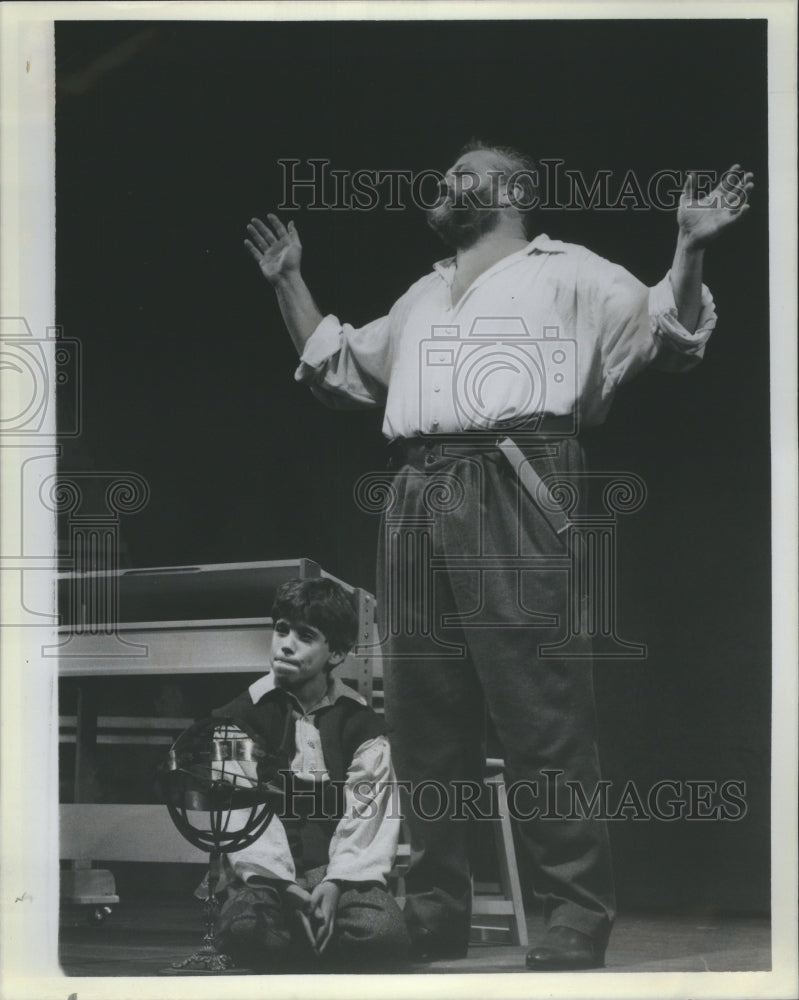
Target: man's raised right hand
{"points": [[276, 249]]}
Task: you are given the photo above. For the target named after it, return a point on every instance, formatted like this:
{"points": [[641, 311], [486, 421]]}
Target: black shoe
{"points": [[564, 949], [427, 946]]}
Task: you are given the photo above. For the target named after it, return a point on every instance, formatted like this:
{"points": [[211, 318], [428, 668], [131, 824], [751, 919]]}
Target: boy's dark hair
{"points": [[522, 168], [322, 603]]}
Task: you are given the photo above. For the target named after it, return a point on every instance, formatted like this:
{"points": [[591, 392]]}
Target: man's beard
{"points": [[463, 226]]}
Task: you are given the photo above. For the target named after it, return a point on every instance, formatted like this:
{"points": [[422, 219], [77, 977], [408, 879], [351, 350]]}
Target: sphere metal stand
{"points": [[211, 769]]}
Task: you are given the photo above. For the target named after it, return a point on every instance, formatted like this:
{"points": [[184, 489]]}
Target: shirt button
{"points": [[436, 388]]}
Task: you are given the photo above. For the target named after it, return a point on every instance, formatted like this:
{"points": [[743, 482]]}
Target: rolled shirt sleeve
{"points": [[679, 350], [638, 326], [347, 368], [364, 843]]}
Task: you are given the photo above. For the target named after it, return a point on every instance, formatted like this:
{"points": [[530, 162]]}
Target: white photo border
{"points": [[28, 696]]}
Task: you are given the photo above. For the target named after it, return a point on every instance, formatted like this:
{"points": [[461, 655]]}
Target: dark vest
{"points": [[311, 811], [343, 727]]}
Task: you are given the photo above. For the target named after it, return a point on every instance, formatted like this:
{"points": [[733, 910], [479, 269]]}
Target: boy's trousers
{"points": [[258, 927]]}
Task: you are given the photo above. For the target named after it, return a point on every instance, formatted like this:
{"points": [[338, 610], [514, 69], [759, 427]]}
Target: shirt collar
{"points": [[336, 688], [542, 243]]}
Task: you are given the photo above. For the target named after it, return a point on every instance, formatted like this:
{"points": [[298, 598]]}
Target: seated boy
{"points": [[314, 883]]}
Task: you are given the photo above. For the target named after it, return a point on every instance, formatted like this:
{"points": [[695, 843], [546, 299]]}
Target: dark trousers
{"points": [[472, 581], [257, 927]]}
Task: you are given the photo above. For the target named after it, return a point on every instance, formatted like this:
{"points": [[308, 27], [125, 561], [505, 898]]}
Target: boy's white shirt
{"points": [[364, 843]]}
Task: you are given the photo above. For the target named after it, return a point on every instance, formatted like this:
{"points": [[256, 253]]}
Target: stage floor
{"points": [[139, 939]]}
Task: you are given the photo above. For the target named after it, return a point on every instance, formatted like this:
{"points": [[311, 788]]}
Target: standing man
{"points": [[556, 330]]}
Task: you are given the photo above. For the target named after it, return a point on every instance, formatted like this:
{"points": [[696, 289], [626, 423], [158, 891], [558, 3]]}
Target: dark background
{"points": [[167, 142]]}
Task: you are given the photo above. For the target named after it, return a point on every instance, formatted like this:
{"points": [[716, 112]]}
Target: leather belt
{"points": [[534, 485], [423, 453]]}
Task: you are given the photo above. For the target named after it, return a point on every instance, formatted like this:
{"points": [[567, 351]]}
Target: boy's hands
{"points": [[324, 902], [300, 901], [316, 912], [276, 249]]}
